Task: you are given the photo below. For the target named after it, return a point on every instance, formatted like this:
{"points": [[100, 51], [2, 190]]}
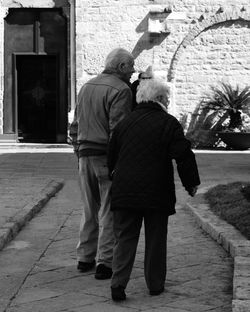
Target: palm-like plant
{"points": [[230, 101]]}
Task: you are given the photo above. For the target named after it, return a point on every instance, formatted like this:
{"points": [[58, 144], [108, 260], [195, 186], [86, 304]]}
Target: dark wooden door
{"points": [[37, 98]]}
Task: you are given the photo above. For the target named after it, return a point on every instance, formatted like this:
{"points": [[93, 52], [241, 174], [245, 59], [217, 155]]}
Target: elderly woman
{"points": [[140, 156]]}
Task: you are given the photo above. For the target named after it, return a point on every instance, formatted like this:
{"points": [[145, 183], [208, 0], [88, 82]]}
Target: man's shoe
{"points": [[156, 292], [103, 272], [118, 293], [85, 266]]}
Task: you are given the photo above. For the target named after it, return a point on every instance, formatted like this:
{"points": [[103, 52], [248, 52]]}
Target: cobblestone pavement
{"points": [[38, 268]]}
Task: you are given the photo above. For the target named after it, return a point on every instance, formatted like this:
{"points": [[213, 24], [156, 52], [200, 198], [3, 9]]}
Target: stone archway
{"points": [[216, 49], [206, 23]]}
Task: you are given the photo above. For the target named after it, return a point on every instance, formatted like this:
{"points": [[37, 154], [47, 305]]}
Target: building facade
{"points": [[49, 48]]}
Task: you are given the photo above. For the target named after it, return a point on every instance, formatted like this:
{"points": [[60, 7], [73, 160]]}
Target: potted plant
{"points": [[232, 106]]}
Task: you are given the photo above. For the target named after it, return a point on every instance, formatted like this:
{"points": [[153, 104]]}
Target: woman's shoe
{"points": [[156, 292], [118, 293], [85, 266], [103, 272]]}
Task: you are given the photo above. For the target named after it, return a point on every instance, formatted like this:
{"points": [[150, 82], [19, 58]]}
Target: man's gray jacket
{"points": [[102, 102]]}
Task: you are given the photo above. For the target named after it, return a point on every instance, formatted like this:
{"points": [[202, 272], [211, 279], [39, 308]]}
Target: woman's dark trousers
{"points": [[127, 225]]}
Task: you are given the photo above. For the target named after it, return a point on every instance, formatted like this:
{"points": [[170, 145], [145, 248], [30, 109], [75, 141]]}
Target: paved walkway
{"points": [[38, 268]]}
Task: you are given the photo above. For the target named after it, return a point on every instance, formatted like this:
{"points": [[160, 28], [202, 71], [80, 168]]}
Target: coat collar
{"points": [[110, 72], [149, 105]]}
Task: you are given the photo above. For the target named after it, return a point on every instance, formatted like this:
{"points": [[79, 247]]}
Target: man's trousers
{"points": [[127, 225], [96, 226]]}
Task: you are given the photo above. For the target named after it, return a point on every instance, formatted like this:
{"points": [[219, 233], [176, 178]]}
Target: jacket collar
{"points": [[150, 105], [110, 72]]}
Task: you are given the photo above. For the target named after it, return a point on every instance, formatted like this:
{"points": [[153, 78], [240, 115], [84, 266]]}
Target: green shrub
{"points": [[231, 202]]}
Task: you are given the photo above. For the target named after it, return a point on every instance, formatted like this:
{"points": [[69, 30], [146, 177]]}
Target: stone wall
{"points": [[215, 50], [208, 41], [205, 41], [2, 15]]}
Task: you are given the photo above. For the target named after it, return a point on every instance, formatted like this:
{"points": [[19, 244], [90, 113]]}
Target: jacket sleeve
{"points": [[112, 153], [121, 106], [73, 129], [180, 150]]}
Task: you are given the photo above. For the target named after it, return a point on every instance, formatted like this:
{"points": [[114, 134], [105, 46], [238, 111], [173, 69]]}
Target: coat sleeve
{"points": [[112, 153], [180, 150], [121, 106], [73, 130]]}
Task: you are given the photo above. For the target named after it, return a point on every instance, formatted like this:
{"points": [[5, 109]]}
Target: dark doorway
{"points": [[37, 95], [35, 75]]}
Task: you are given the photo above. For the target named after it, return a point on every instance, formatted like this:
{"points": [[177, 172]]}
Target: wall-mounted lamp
{"points": [[157, 20], [160, 10], [157, 25], [160, 18]]}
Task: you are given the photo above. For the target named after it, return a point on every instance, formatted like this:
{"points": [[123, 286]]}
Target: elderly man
{"points": [[140, 156], [103, 101]]}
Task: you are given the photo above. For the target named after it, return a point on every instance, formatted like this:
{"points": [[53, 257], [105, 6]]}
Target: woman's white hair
{"points": [[117, 57], [152, 90]]}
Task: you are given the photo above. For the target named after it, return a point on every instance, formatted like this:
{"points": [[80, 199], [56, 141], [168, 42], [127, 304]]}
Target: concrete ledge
{"points": [[233, 242], [15, 145], [10, 229]]}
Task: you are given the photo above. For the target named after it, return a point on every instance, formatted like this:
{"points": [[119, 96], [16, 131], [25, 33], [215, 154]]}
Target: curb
{"points": [[10, 229], [233, 242]]}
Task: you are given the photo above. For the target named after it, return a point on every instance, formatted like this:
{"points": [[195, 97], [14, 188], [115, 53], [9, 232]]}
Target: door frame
{"points": [[66, 82]]}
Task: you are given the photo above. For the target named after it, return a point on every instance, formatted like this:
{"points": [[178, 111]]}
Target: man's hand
{"points": [[192, 190]]}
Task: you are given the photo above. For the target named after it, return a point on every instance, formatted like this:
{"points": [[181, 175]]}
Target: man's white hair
{"points": [[117, 57], [152, 90]]}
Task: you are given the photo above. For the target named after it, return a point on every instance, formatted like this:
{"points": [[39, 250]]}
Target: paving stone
{"points": [[38, 268], [241, 287], [66, 302], [240, 248], [240, 306]]}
